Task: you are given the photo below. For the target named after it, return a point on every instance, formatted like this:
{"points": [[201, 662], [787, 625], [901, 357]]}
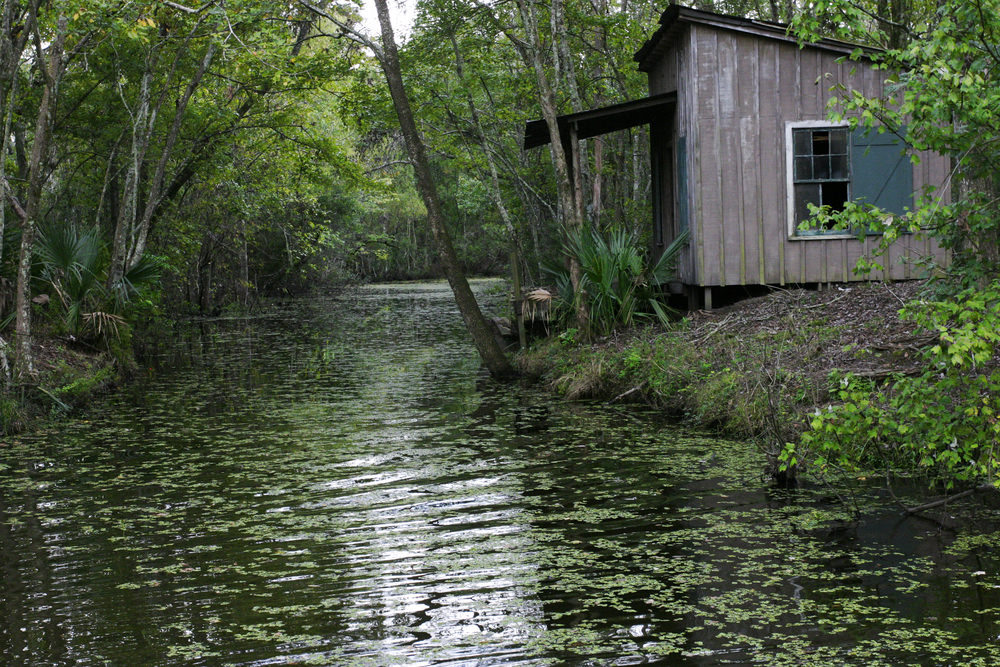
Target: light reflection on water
{"points": [[338, 483]]}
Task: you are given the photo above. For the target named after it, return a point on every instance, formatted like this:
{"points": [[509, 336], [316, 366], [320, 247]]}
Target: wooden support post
{"points": [[707, 298], [576, 166], [515, 269]]}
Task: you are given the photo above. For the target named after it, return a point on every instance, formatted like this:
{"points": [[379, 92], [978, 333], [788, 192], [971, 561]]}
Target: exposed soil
{"points": [[852, 328], [755, 368]]}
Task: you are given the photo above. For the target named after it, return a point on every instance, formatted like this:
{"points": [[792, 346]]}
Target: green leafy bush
{"points": [[943, 421], [73, 266], [943, 94]]}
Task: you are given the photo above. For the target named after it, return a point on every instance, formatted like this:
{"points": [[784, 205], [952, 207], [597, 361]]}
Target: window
{"points": [[822, 171], [828, 164]]}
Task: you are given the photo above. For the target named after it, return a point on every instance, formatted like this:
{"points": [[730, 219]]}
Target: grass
{"points": [[69, 378], [723, 384], [737, 385]]}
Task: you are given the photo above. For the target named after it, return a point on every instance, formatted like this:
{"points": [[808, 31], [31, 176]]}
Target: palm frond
{"points": [[103, 324], [145, 272], [619, 289], [665, 268]]}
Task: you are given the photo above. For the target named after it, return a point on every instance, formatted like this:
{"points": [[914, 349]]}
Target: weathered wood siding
{"points": [[736, 92], [671, 145]]}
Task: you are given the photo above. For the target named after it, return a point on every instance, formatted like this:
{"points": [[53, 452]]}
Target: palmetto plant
{"points": [[73, 266], [618, 286], [70, 265]]}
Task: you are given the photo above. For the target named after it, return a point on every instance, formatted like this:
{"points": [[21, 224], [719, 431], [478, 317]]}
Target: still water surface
{"points": [[337, 483]]}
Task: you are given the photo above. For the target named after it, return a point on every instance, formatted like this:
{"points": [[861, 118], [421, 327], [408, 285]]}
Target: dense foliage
{"points": [[943, 420], [944, 97], [227, 150], [155, 154], [161, 156]]}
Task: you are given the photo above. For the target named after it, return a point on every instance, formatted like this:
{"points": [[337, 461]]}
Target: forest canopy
{"points": [[176, 156]]}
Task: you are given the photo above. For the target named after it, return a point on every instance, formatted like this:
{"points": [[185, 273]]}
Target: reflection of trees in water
{"points": [[315, 485], [26, 585], [594, 516]]}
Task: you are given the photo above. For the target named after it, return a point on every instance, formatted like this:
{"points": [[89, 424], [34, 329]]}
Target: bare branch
{"points": [[386, 165], [345, 30], [189, 10], [14, 203]]}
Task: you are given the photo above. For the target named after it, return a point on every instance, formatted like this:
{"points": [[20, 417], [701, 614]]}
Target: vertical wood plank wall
{"points": [[671, 74], [735, 93]]}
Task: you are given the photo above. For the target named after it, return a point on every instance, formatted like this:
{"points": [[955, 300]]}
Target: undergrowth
{"points": [[727, 384]]}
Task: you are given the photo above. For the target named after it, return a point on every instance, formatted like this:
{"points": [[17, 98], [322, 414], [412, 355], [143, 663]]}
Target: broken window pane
{"points": [[821, 164], [835, 195], [821, 142]]}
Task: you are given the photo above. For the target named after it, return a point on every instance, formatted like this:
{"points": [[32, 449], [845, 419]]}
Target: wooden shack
{"points": [[740, 144]]}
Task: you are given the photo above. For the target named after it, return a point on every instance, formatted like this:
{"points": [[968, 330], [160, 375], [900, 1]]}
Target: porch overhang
{"points": [[594, 122]]}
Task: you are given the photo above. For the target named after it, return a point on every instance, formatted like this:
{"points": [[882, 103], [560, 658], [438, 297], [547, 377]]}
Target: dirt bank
{"points": [[753, 369]]}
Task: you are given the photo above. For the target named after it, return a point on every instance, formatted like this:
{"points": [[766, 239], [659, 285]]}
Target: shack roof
{"points": [[676, 18], [601, 121]]}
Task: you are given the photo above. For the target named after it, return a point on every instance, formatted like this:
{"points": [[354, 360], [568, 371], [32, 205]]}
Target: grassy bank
{"points": [[756, 369], [69, 376]]}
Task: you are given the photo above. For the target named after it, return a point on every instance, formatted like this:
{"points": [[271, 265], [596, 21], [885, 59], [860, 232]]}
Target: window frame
{"points": [[793, 231]]}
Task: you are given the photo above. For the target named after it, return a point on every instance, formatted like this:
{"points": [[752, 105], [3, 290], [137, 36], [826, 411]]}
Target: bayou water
{"points": [[338, 483]]}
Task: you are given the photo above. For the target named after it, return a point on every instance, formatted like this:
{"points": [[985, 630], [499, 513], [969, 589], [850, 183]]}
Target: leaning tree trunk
{"points": [[482, 336]]}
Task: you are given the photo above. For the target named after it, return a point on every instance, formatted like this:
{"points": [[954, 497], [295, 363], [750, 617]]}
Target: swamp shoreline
{"points": [[755, 369]]}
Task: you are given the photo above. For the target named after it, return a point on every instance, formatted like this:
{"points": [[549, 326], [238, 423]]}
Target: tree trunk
{"points": [[7, 106], [495, 193], [153, 198], [482, 336], [597, 181], [16, 24], [566, 182], [24, 361], [566, 74], [125, 225], [244, 288]]}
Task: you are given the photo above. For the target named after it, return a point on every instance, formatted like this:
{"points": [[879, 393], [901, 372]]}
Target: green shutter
{"points": [[881, 172]]}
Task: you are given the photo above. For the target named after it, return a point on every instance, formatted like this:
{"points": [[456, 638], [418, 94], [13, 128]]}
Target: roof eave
{"points": [[676, 16], [594, 122]]}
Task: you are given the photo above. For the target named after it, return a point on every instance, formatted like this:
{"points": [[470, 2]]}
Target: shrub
{"points": [[619, 288], [944, 420]]}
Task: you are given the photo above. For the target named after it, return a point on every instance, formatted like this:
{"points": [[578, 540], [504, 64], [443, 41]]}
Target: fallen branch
{"points": [[947, 499], [824, 303], [883, 373], [624, 394], [718, 327], [915, 343]]}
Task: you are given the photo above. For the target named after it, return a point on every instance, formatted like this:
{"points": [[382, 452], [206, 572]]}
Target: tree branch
{"points": [[947, 499], [14, 203], [346, 30], [189, 10]]}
